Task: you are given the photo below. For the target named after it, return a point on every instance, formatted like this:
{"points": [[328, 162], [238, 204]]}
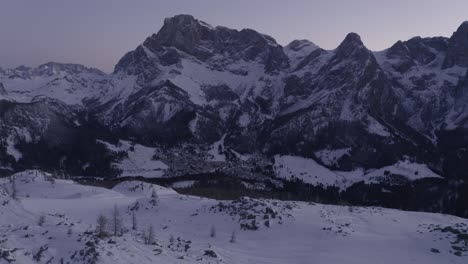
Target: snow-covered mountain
{"points": [[197, 99], [70, 83]]}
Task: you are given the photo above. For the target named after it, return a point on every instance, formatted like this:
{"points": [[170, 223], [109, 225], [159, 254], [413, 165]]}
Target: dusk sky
{"points": [[98, 33]]}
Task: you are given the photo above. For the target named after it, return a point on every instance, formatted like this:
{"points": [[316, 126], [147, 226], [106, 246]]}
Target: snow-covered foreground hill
{"points": [[265, 231]]}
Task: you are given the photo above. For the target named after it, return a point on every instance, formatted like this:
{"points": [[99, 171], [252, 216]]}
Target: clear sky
{"points": [[99, 32]]}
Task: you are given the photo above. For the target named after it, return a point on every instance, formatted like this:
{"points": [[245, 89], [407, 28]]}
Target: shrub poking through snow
{"points": [[134, 222], [101, 226], [41, 220], [14, 190], [154, 198], [116, 223], [210, 253], [233, 237], [213, 231], [149, 236], [254, 213]]}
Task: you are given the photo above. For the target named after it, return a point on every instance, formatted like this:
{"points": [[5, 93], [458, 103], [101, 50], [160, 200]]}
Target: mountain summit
{"points": [[457, 53]]}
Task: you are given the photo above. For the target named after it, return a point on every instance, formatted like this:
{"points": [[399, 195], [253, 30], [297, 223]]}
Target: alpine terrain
{"points": [[224, 114]]}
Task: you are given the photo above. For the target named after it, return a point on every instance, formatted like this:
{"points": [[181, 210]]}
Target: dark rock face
{"points": [[202, 41], [416, 51], [220, 93], [138, 63], [156, 114], [457, 53], [297, 45], [459, 112]]}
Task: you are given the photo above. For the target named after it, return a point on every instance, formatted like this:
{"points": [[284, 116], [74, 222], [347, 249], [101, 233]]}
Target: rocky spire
{"points": [[183, 32], [202, 41], [351, 46], [457, 53]]}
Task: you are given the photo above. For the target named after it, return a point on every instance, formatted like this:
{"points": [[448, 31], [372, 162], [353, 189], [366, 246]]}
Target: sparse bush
{"points": [[134, 222], [101, 226], [149, 235], [154, 197], [41, 220], [40, 253], [233, 237], [116, 222], [213, 231], [14, 190]]}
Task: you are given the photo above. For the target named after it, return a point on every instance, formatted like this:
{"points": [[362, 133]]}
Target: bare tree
{"points": [[134, 221], [233, 237], [41, 220], [213, 231], [116, 223], [14, 190], [154, 197], [149, 235], [101, 226]]}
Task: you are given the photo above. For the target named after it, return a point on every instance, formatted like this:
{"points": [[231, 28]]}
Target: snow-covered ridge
{"points": [[309, 171], [138, 160], [69, 83], [45, 223]]}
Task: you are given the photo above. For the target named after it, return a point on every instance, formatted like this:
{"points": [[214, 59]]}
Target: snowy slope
{"points": [[138, 161], [297, 50], [296, 232], [309, 171], [69, 83]]}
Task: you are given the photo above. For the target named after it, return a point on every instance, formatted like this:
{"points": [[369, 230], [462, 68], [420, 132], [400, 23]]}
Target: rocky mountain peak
{"points": [[297, 50], [300, 44], [352, 47], [183, 32], [352, 39], [415, 51], [457, 53], [397, 49], [184, 35], [51, 68], [182, 19], [463, 27]]}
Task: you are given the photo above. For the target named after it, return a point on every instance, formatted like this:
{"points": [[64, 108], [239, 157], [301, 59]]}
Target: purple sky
{"points": [[98, 32]]}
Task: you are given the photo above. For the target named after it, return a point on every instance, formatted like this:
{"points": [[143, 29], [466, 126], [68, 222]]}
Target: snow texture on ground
{"points": [[297, 232]]}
